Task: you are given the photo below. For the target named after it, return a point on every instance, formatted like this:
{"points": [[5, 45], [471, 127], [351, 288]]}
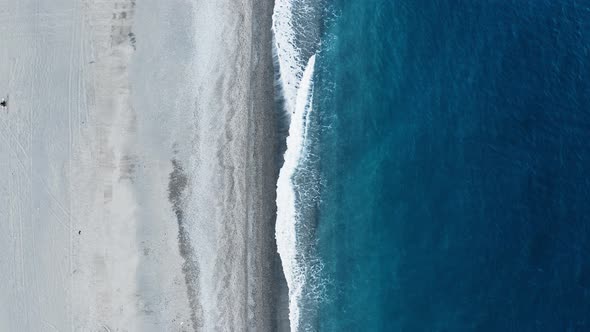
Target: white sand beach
{"points": [[138, 165]]}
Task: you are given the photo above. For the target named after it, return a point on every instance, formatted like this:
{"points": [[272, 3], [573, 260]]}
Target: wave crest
{"points": [[287, 214]]}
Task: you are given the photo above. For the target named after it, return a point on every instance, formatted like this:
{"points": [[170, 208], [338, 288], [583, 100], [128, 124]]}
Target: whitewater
{"points": [[287, 215], [296, 31]]}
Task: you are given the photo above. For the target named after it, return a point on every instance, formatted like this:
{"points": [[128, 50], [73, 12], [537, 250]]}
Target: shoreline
{"points": [[270, 141], [224, 150], [236, 151]]}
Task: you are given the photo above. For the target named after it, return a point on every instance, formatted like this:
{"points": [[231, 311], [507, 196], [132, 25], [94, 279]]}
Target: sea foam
{"points": [[294, 38], [288, 55], [287, 215]]}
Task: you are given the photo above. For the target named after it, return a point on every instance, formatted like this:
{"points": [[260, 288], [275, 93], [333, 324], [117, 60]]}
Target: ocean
{"points": [[438, 178]]}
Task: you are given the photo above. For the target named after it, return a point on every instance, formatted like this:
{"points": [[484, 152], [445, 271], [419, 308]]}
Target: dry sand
{"points": [[138, 164]]}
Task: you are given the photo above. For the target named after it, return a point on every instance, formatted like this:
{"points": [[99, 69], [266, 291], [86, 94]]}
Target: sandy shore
{"points": [[138, 169], [234, 164]]}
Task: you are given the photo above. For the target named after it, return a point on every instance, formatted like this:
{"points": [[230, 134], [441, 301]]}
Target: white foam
{"points": [[287, 215], [290, 66], [296, 83]]}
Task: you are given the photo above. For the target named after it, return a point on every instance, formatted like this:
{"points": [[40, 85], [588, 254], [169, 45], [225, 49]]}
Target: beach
{"points": [[138, 167]]}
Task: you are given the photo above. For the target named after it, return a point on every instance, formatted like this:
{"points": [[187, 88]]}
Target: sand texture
{"points": [[138, 165]]}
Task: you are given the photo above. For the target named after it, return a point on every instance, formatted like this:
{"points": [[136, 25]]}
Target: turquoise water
{"points": [[450, 156]]}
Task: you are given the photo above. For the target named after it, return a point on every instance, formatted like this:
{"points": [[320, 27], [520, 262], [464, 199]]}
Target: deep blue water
{"points": [[453, 146]]}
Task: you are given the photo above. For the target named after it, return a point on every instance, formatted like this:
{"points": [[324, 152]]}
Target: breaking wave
{"points": [[287, 214], [296, 32]]}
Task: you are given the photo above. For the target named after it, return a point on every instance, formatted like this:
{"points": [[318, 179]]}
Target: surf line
{"points": [[287, 214]]}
